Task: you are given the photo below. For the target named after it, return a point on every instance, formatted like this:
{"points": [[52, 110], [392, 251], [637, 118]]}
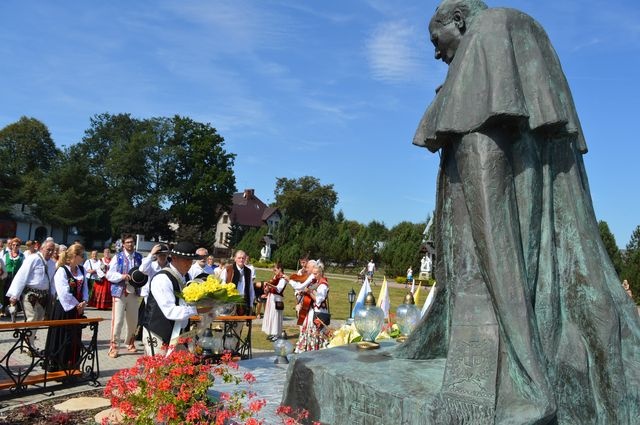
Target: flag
{"points": [[364, 290], [416, 295], [429, 300], [383, 299]]}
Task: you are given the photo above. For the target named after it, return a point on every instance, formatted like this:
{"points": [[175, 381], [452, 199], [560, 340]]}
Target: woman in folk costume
{"points": [[101, 293], [274, 307], [313, 334], [64, 343], [13, 259]]}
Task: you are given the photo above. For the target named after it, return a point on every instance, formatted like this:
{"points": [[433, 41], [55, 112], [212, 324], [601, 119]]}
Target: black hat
{"points": [[138, 279], [164, 249], [185, 250]]}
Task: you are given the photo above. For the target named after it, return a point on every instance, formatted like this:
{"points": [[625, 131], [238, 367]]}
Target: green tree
{"points": [[199, 182], [71, 196], [252, 241], [402, 249], [631, 269], [305, 200], [27, 153], [611, 246]]}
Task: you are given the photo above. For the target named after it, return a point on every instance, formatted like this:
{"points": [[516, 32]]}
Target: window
{"points": [[221, 238], [225, 219]]}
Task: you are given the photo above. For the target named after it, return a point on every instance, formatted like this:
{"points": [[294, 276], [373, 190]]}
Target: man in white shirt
{"points": [[242, 278], [32, 283], [126, 298], [197, 269], [164, 315]]}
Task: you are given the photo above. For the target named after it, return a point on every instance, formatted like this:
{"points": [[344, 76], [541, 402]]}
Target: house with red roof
{"points": [[247, 210]]}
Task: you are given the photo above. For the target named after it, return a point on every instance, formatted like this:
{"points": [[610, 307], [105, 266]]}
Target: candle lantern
{"points": [[368, 320], [407, 317], [282, 348]]}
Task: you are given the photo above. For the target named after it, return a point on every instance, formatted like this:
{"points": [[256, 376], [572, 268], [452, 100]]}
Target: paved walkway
{"points": [[108, 366]]}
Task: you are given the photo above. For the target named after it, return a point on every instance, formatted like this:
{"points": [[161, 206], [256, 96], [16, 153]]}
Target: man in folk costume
{"points": [[32, 283], [126, 298], [156, 260], [165, 315], [242, 278]]}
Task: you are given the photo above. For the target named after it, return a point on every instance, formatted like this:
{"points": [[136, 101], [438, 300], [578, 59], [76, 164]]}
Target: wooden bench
{"points": [[22, 365]]}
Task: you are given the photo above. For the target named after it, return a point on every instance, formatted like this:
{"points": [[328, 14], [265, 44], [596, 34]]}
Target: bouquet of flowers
{"points": [[210, 292]]}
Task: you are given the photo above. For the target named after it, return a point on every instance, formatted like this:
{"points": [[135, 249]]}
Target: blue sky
{"points": [[331, 89]]}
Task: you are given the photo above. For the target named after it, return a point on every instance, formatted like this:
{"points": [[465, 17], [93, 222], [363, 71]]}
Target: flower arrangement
{"points": [[174, 390], [348, 334], [211, 289]]}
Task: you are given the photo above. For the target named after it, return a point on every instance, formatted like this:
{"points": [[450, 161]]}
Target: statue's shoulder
{"points": [[494, 19]]}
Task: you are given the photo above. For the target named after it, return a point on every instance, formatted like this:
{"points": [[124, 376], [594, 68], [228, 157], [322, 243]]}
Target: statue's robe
{"points": [[517, 242]]}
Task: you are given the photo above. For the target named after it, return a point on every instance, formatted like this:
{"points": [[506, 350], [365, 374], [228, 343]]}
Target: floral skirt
{"points": [[312, 337]]}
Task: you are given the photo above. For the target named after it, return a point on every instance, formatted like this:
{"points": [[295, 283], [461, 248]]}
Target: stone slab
{"points": [[347, 385], [82, 403]]}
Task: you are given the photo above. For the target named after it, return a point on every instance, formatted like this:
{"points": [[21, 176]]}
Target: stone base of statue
{"points": [[348, 385]]}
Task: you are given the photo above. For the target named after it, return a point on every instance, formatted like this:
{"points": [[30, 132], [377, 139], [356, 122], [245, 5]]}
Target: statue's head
{"points": [[450, 23]]}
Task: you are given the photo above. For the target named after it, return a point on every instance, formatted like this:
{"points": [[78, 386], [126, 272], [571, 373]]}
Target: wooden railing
{"points": [[23, 365]]}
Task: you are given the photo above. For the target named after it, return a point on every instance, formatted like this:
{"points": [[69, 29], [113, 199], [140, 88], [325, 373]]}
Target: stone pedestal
{"points": [[346, 385]]}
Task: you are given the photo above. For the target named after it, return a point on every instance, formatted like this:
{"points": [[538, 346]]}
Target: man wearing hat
{"points": [[126, 297], [165, 315]]}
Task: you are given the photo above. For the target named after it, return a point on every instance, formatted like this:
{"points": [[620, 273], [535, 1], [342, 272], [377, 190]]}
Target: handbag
{"points": [[325, 318], [279, 305]]}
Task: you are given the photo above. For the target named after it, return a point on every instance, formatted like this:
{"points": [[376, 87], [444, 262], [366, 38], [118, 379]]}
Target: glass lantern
{"points": [[217, 346], [407, 317], [282, 348], [206, 342], [368, 321]]}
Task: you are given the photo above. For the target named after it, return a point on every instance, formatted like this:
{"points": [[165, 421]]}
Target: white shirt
{"points": [[162, 290], [195, 270], [150, 267], [34, 273], [240, 287], [92, 264], [113, 275], [66, 298], [298, 286]]}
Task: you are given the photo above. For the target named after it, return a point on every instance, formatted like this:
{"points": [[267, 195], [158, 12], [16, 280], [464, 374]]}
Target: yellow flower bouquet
{"points": [[206, 294]]}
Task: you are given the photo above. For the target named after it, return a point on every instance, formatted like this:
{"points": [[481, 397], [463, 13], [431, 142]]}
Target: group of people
{"points": [[311, 290], [56, 282], [48, 289]]}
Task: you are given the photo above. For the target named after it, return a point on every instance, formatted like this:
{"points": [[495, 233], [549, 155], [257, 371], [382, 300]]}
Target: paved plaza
{"points": [[269, 376]]}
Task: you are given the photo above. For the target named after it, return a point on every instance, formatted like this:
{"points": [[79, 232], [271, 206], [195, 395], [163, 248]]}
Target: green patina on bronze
{"points": [[515, 226], [530, 324]]}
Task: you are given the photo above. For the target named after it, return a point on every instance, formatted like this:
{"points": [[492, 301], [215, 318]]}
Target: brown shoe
{"points": [[113, 352]]}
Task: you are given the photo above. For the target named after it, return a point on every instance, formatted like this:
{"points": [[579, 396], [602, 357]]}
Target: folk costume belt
{"points": [[37, 296]]}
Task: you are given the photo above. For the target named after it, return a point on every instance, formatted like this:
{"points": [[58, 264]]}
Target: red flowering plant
{"points": [[173, 389]]}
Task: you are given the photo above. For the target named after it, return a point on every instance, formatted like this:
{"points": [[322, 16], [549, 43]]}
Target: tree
{"points": [[610, 245], [402, 249], [199, 182], [70, 196], [305, 200], [631, 269], [27, 152]]}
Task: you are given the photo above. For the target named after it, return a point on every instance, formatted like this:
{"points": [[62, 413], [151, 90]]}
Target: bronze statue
{"points": [[529, 314]]}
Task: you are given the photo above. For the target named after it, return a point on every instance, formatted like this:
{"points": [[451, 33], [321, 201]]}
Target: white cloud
{"points": [[395, 52]]}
